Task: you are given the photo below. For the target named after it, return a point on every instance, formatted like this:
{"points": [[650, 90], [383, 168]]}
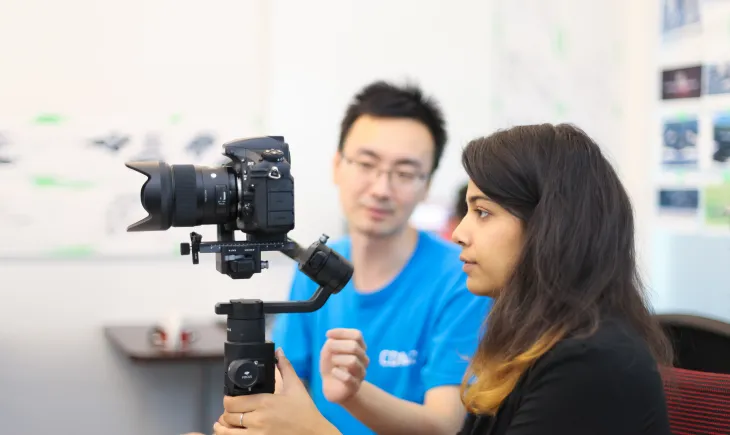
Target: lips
{"points": [[378, 210], [378, 213]]}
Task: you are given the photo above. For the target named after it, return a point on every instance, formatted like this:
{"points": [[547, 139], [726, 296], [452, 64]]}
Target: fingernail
{"points": [[279, 352]]}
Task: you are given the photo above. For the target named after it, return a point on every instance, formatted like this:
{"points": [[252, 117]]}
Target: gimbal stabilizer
{"points": [[249, 359]]}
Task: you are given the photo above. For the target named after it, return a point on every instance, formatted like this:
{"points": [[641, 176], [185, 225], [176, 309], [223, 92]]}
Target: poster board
{"points": [[693, 128]]}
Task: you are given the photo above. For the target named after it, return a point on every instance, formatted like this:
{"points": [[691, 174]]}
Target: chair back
{"points": [[699, 343], [698, 402]]}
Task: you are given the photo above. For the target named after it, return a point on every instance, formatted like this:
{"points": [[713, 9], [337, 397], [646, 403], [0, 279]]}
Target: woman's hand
{"points": [[289, 411], [343, 363]]}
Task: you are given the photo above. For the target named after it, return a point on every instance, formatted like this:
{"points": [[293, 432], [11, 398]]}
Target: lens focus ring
{"points": [[184, 182]]}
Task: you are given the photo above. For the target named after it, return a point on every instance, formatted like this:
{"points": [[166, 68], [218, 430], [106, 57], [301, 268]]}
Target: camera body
{"points": [[265, 186]]}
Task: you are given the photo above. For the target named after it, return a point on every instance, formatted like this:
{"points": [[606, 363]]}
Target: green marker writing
{"points": [[48, 119], [73, 251], [51, 181]]}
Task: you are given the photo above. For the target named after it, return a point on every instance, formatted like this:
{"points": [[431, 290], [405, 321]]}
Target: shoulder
{"points": [[438, 249], [438, 262], [608, 363], [583, 383]]}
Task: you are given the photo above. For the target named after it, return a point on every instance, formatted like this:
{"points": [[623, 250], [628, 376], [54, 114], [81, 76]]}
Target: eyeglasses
{"points": [[400, 178]]}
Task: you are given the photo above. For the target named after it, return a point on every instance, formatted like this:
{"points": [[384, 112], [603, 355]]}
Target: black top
{"points": [[605, 384]]}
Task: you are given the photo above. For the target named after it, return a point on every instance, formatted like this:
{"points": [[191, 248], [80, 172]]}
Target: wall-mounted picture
{"points": [[682, 83], [717, 205], [679, 14], [718, 78], [721, 138], [679, 201], [679, 143]]}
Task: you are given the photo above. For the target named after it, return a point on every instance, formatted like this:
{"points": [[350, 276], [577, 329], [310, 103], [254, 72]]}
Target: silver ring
{"points": [[240, 420]]}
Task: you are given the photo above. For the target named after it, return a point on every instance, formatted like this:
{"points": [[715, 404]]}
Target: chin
{"points": [[376, 229], [480, 288]]}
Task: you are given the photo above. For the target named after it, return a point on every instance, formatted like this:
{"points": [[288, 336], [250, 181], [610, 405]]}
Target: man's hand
{"points": [[342, 364], [288, 412]]}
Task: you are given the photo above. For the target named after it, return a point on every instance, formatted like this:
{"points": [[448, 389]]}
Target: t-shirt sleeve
{"points": [[580, 392], [455, 334], [292, 332]]}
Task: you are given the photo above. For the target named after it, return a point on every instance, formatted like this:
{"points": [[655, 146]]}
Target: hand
{"points": [[342, 364], [288, 412]]}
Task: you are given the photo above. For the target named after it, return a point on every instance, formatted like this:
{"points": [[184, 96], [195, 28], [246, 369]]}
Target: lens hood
{"points": [[156, 196]]}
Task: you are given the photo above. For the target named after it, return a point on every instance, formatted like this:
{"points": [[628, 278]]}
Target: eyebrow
{"points": [[474, 198], [401, 161]]}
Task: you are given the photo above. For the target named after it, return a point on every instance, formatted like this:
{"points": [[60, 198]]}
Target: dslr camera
{"points": [[252, 193]]}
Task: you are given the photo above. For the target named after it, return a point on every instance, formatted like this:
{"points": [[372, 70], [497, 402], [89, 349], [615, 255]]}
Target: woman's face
{"points": [[491, 239]]}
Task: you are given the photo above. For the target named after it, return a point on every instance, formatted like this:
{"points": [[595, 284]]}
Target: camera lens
{"points": [[184, 195]]}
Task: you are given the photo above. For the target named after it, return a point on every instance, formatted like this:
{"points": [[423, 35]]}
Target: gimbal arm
{"points": [[323, 266]]}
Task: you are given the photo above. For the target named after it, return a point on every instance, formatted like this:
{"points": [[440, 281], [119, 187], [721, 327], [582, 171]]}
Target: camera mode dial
{"points": [[272, 155]]}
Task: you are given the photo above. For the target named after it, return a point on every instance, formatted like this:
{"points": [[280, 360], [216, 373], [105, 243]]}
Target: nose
{"points": [[459, 235], [381, 186]]}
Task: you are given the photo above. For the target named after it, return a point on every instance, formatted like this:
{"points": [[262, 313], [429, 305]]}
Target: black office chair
{"points": [[700, 343]]}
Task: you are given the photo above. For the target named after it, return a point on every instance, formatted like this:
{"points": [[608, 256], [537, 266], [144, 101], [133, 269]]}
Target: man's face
{"points": [[382, 173]]}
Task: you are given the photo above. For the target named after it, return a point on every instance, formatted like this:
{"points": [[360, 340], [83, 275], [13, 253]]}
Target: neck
{"points": [[378, 260]]}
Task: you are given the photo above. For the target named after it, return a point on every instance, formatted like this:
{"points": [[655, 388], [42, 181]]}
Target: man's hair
{"points": [[386, 100], [577, 266]]}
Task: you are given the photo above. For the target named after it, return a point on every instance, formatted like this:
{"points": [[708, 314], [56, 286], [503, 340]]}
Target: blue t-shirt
{"points": [[419, 330]]}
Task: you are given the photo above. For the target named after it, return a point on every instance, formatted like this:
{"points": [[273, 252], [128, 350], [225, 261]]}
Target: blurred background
{"points": [[86, 85]]}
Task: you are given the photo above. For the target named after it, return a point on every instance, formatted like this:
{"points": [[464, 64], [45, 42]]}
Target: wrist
{"points": [[353, 400]]}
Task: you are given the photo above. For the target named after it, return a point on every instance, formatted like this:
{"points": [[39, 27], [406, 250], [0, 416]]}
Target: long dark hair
{"points": [[578, 263]]}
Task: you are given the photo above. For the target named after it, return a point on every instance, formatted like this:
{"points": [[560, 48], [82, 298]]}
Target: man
{"points": [[405, 322]]}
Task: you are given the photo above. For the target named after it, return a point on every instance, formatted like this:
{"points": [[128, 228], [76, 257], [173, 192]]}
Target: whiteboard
{"points": [[67, 192]]}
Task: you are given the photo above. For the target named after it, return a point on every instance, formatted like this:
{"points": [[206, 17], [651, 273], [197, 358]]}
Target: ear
{"points": [[336, 162]]}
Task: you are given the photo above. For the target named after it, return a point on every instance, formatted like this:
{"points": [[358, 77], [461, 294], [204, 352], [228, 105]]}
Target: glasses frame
{"points": [[372, 174]]}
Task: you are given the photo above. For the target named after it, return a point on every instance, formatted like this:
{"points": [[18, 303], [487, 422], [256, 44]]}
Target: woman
{"points": [[571, 346]]}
